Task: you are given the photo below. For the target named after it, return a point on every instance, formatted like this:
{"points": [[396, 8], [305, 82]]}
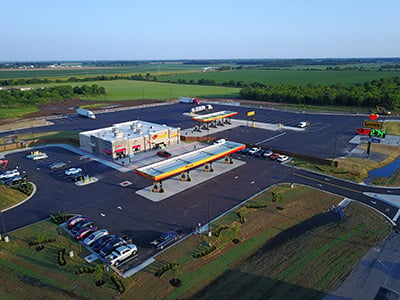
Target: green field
{"points": [[134, 90], [277, 77], [142, 68]]}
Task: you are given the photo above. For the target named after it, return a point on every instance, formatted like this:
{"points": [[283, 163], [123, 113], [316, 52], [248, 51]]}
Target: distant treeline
{"points": [[264, 62], [382, 92], [15, 98]]}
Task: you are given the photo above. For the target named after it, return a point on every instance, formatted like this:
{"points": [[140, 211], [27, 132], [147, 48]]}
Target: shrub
{"points": [[83, 270], [60, 217], [165, 268], [218, 231], [118, 283], [241, 217], [256, 206], [279, 208], [274, 197], [61, 259], [204, 251]]}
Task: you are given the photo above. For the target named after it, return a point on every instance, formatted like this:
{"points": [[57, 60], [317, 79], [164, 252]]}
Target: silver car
{"points": [[94, 236]]}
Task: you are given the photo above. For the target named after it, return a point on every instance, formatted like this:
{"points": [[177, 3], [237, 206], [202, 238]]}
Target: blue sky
{"points": [[189, 29]]}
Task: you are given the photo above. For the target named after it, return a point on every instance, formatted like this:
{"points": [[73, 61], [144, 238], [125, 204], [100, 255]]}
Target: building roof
{"points": [[187, 161], [215, 116], [126, 130]]}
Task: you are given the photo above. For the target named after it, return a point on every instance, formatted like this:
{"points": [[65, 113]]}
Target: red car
{"points": [[164, 153], [84, 232], [75, 220], [274, 156]]}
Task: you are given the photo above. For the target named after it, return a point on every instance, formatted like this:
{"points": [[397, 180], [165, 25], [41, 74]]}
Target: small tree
{"points": [[176, 282], [98, 275]]}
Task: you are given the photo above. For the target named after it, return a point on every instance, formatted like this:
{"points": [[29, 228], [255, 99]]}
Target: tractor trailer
{"points": [[86, 113], [189, 100]]}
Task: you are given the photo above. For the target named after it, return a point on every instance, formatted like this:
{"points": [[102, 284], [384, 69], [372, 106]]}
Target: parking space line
{"points": [[271, 138]]}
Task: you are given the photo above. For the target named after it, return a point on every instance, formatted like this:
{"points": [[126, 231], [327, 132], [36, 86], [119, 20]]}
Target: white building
{"points": [[123, 139]]}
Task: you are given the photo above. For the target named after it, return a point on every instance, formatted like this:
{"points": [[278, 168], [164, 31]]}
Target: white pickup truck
{"points": [[121, 253]]}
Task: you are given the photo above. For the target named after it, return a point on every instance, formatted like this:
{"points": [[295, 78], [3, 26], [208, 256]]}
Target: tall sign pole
{"points": [[251, 114]]}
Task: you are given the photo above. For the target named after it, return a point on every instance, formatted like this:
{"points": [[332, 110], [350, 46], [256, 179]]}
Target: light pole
{"points": [[208, 208], [291, 180]]}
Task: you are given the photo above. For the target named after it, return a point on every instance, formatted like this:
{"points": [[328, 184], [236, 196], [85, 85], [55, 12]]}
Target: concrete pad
{"points": [[91, 258], [174, 185]]}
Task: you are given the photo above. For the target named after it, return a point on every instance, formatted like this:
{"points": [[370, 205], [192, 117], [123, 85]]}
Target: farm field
{"points": [[134, 90], [60, 73], [277, 77]]}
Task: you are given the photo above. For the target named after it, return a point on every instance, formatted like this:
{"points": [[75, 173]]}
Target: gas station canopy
{"points": [[187, 161], [214, 116]]}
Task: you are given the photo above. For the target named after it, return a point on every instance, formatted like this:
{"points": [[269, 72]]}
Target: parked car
{"points": [[94, 236], [73, 171], [84, 232], [57, 165], [303, 124], [121, 253], [12, 180], [267, 153], [111, 245], [77, 177], [40, 156], [101, 242], [9, 174], [259, 153], [71, 222], [244, 150], [80, 225], [282, 158], [274, 156], [253, 150], [164, 153], [165, 239]]}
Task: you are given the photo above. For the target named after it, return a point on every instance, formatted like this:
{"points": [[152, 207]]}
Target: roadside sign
{"points": [[375, 140], [372, 124], [364, 138], [251, 113]]}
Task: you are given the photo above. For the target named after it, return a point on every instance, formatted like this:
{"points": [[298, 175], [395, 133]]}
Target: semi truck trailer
{"points": [[189, 100], [86, 113]]}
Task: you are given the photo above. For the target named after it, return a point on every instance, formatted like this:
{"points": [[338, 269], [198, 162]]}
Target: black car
{"points": [[111, 245], [77, 177], [80, 225], [259, 153], [100, 243]]}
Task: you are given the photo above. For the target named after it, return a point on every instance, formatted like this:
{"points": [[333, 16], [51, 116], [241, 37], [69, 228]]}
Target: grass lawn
{"points": [[10, 197], [356, 168], [392, 128], [12, 113]]}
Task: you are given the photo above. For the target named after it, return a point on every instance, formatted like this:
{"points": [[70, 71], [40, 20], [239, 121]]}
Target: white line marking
{"points": [[271, 138]]}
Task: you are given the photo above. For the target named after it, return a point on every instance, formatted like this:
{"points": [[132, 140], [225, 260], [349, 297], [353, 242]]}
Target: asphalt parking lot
{"points": [[122, 211]]}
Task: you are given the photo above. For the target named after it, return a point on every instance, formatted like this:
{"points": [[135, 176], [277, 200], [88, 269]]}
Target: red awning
{"points": [[136, 146], [107, 151], [120, 150]]}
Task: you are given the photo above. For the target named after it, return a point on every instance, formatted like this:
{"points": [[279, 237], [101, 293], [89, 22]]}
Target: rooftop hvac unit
{"points": [[139, 125]]}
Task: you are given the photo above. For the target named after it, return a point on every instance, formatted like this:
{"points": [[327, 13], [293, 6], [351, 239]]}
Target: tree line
{"points": [[16, 98], [382, 92]]}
